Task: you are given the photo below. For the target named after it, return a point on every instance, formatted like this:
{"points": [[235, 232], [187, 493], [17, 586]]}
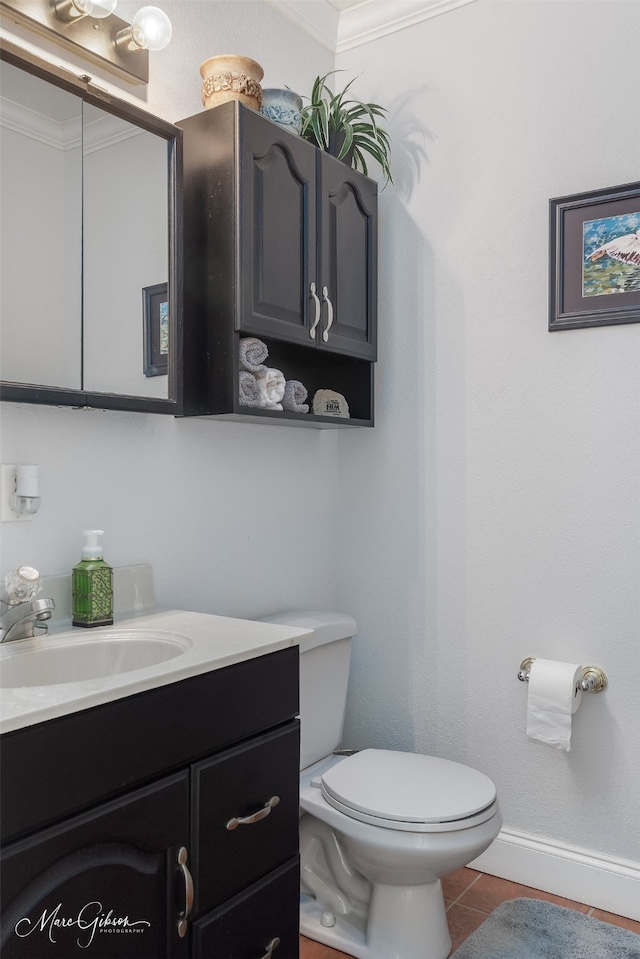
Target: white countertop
{"points": [[212, 642]]}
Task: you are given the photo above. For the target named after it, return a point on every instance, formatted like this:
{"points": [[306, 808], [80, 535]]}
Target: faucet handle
{"points": [[22, 584]]}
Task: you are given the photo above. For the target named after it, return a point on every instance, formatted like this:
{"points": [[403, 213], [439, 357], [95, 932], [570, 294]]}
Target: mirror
{"points": [[40, 231], [125, 251], [89, 298]]}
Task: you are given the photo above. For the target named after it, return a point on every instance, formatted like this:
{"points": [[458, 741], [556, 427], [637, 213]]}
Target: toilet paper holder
{"points": [[593, 679]]}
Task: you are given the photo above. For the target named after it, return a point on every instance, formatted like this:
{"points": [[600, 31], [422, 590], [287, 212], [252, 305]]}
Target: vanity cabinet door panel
{"points": [[277, 231], [348, 260], [250, 925], [106, 883], [238, 784]]}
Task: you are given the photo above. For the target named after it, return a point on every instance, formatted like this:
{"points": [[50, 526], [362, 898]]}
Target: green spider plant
{"points": [[332, 113]]}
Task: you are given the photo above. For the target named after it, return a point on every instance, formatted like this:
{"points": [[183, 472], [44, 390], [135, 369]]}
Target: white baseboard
{"points": [[601, 881]]}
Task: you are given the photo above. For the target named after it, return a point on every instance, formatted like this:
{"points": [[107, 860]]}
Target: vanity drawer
{"points": [[238, 784], [246, 927], [57, 768]]}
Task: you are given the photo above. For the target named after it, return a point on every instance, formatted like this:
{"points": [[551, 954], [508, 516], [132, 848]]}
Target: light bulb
{"points": [[150, 30], [102, 8], [72, 10], [154, 27]]}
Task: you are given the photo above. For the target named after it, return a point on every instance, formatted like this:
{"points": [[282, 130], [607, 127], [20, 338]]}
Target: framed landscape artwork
{"points": [[594, 269]]}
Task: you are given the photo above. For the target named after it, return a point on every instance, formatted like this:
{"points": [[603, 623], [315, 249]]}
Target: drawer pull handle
{"points": [[325, 297], [273, 945], [188, 893], [312, 331], [257, 816]]}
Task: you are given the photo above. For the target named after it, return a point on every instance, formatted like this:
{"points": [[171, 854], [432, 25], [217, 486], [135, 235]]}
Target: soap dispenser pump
{"points": [[92, 584]]}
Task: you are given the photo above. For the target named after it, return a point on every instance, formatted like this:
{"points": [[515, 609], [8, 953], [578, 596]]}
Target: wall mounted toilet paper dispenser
{"points": [[593, 678]]}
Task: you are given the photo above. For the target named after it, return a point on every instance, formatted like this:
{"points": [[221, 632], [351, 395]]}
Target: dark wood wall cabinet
{"points": [[160, 826], [281, 244]]}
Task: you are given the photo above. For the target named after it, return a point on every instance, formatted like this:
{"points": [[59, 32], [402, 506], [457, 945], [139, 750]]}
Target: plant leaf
{"points": [[348, 142], [338, 98], [318, 131], [360, 163], [323, 116], [381, 157]]}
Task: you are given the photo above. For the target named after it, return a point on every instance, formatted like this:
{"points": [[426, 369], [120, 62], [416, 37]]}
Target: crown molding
{"points": [[105, 131], [100, 132], [373, 19], [29, 123], [368, 20], [316, 17]]}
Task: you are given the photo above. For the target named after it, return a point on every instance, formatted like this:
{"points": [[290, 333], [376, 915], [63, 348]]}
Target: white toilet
{"points": [[379, 828]]}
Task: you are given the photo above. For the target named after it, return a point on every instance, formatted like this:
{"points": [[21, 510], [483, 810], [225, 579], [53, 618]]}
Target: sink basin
{"points": [[75, 657], [53, 675]]}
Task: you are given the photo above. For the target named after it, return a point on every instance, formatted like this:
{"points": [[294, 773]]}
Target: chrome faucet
{"points": [[20, 612], [20, 622]]}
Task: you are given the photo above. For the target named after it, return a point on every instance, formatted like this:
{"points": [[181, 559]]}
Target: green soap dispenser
{"points": [[92, 585]]}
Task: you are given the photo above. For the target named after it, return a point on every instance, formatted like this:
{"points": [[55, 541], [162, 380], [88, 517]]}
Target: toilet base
{"points": [[346, 936], [405, 922]]}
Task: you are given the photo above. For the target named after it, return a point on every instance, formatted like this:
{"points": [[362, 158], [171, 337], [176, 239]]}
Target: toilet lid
{"points": [[408, 788]]}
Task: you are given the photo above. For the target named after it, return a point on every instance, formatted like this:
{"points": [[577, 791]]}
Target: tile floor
{"points": [[470, 896]]}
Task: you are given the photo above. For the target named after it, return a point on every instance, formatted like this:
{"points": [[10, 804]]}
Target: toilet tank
{"points": [[324, 676]]}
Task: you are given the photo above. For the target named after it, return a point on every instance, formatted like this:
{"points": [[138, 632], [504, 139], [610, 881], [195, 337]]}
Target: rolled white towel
{"points": [[250, 391], [275, 385], [252, 353], [295, 394], [271, 384]]}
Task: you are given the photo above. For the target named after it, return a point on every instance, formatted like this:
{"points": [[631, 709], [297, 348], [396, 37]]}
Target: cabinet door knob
{"points": [[188, 893], [325, 297], [273, 945], [312, 331], [257, 816]]}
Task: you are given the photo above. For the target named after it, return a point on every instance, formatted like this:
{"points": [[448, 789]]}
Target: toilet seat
{"points": [[409, 792]]}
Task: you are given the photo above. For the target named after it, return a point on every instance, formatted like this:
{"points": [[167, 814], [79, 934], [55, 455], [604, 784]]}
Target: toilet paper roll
{"points": [[553, 699]]}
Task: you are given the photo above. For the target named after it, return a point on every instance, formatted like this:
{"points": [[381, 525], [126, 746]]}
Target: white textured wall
{"points": [[236, 519], [494, 512]]}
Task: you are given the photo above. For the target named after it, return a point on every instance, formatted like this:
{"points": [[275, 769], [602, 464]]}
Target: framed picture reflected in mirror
{"points": [[155, 315]]}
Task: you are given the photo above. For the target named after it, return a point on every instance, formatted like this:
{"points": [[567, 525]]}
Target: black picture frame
{"points": [[155, 318], [594, 265]]}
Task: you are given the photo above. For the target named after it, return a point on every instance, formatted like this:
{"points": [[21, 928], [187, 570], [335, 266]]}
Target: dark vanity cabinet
{"points": [[281, 244], [159, 826]]}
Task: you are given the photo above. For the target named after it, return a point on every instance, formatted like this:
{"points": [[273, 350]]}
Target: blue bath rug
{"points": [[533, 929]]}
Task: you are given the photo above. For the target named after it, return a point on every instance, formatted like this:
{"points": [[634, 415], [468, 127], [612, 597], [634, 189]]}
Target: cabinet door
{"points": [[348, 270], [277, 227], [257, 782], [106, 883], [262, 922]]}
